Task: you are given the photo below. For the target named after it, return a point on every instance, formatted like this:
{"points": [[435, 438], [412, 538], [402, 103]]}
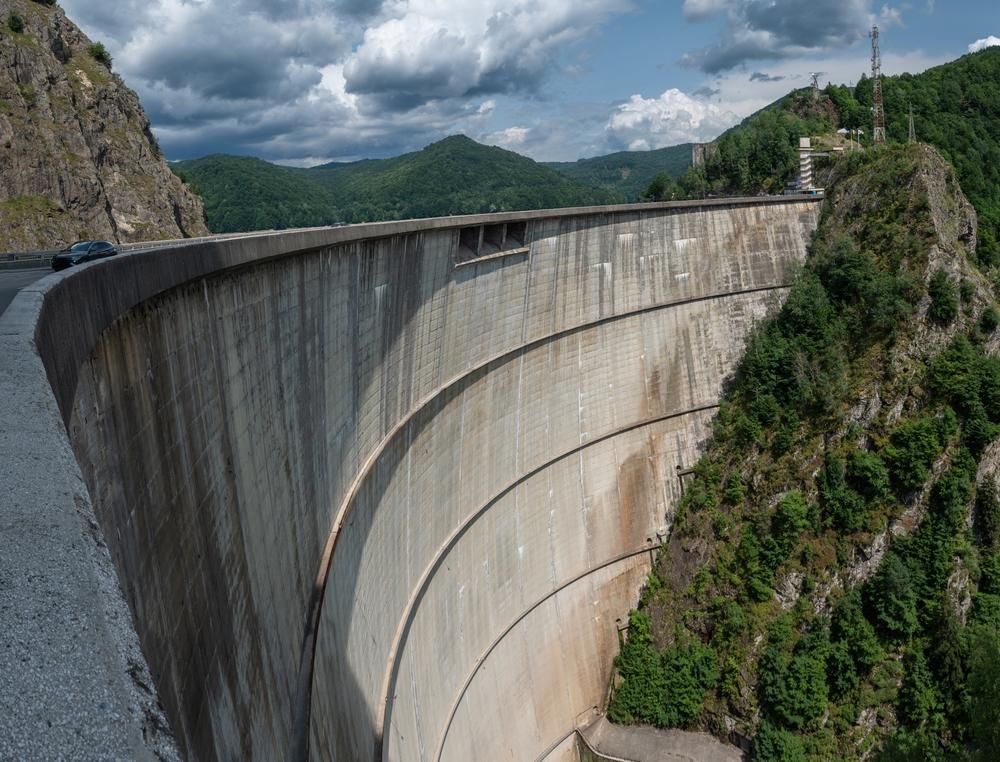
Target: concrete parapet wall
{"points": [[452, 477]]}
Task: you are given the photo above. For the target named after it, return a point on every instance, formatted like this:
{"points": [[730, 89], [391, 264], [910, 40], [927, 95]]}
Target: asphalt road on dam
{"points": [[12, 281]]}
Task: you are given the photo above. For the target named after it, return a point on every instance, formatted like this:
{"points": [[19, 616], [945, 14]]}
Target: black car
{"points": [[83, 251]]}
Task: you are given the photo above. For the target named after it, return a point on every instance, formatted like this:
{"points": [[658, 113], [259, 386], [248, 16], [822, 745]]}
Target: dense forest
{"points": [[453, 176], [242, 193], [824, 587]]}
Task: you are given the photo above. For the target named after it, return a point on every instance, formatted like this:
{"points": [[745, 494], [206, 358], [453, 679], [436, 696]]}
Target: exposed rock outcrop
{"points": [[77, 156]]}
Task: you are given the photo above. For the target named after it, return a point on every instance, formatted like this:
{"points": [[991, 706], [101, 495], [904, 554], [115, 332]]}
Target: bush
{"points": [[843, 508], [794, 687], [753, 569], [944, 300], [99, 53], [667, 691], [867, 474], [912, 449], [639, 696], [989, 320], [14, 22], [690, 669], [773, 744]]}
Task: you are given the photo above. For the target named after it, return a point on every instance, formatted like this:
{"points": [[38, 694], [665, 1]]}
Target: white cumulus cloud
{"points": [[510, 137], [675, 117], [982, 44]]}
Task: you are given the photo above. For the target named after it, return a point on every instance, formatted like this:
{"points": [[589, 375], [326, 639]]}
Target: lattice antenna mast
{"points": [[815, 85], [912, 137], [878, 137]]}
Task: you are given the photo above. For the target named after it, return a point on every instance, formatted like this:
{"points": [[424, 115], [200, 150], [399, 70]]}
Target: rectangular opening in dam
{"points": [[482, 242]]}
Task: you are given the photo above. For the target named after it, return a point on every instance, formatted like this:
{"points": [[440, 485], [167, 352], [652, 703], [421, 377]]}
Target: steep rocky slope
{"points": [[77, 157], [830, 582]]}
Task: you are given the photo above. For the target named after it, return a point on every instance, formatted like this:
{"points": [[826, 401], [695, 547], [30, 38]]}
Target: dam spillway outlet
{"points": [[368, 488]]}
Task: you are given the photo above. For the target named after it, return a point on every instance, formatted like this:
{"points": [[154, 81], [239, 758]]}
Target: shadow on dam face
{"points": [[369, 493]]}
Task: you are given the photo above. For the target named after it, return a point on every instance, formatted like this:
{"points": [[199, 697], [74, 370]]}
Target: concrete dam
{"points": [[379, 492]]}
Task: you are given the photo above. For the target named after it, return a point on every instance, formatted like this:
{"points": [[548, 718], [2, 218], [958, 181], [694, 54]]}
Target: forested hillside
{"points": [[453, 176], [627, 173], [831, 583], [242, 193]]}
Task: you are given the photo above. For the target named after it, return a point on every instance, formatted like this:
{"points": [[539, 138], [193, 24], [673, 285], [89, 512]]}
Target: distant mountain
{"points": [[242, 193], [453, 176], [626, 173]]}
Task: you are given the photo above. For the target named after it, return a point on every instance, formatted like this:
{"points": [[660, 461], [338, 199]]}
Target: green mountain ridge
{"points": [[627, 172], [452, 176]]}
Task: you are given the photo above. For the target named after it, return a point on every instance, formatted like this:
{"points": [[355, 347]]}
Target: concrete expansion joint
{"points": [[646, 548], [409, 613], [302, 711]]}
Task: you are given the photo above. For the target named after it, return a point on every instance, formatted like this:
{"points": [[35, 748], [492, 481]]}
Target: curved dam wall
{"points": [[381, 492]]}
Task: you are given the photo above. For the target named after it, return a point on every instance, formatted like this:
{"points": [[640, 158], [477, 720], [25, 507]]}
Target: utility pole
{"points": [[912, 137], [878, 134]]}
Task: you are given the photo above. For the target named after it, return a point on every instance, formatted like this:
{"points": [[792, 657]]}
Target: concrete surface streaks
{"points": [[363, 499]]}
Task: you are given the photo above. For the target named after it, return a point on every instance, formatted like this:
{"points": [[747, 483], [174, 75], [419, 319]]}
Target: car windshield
{"points": [[81, 246]]}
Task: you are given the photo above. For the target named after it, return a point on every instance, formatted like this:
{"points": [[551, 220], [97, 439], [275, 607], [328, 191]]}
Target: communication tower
{"points": [[913, 130], [878, 133]]}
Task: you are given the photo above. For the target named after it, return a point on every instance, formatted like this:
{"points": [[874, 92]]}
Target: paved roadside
{"points": [[640, 743], [13, 281]]}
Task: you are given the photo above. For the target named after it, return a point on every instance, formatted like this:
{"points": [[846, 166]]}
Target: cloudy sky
{"points": [[307, 81]]}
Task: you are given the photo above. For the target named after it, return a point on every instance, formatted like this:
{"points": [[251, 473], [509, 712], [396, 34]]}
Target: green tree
{"points": [[843, 507], [856, 647], [689, 669], [661, 188], [947, 659], [944, 300], [918, 700], [987, 515], [913, 447], [14, 22], [867, 474], [989, 320], [99, 53], [639, 697], [791, 518], [984, 692], [891, 595]]}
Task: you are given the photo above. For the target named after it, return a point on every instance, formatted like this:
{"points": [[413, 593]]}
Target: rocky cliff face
{"points": [[77, 157]]}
